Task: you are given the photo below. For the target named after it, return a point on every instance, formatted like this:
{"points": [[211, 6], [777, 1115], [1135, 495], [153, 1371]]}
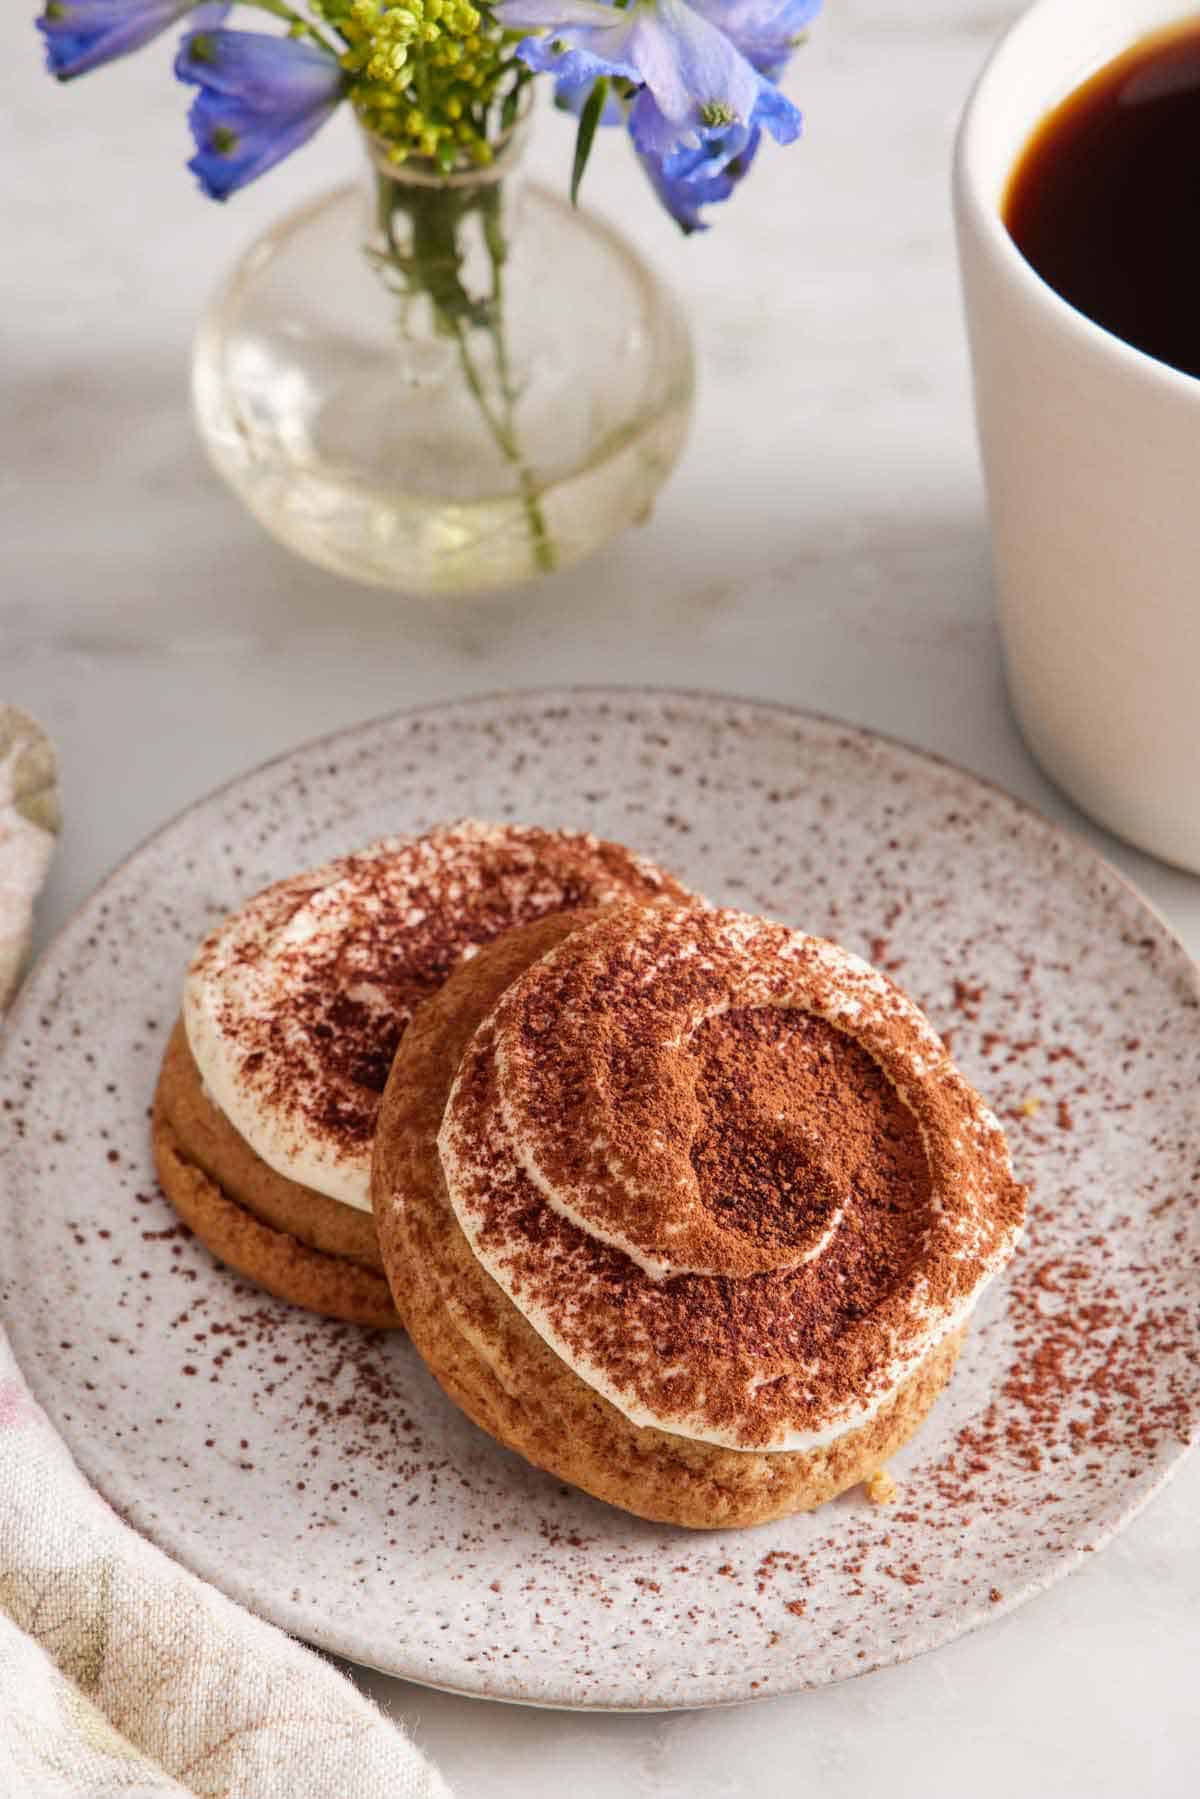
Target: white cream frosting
{"points": [[494, 1154], [247, 971], [266, 997]]}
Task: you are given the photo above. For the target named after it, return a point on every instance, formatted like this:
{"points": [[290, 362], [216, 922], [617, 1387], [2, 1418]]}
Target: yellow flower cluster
{"points": [[423, 74]]}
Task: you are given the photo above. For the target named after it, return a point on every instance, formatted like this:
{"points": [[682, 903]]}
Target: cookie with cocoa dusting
{"points": [[293, 1007], [658, 1217]]}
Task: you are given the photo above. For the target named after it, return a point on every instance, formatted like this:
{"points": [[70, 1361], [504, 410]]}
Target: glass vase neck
{"points": [[423, 172]]}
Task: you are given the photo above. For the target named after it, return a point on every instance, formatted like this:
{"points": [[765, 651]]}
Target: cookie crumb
{"points": [[1031, 1106], [880, 1489]]}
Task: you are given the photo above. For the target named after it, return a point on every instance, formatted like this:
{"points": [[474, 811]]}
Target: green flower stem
{"points": [[502, 432], [493, 232], [431, 263]]}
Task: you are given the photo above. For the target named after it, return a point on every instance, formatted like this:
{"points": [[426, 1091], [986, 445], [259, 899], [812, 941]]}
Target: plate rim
{"points": [[606, 690], [506, 1690]]}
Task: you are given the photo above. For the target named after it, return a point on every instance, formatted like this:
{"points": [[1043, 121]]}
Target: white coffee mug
{"points": [[1091, 453]]}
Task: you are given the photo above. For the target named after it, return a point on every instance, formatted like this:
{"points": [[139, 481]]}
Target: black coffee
{"points": [[1104, 200]]}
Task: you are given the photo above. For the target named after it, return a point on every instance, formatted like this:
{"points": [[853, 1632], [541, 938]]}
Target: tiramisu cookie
{"points": [[293, 1007], [690, 1209]]}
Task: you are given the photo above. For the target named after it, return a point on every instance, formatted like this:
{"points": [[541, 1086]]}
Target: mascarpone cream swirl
{"points": [[294, 1006], [728, 1172]]}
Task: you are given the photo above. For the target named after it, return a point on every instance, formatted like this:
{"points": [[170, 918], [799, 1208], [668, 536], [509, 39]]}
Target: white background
{"points": [[823, 542]]}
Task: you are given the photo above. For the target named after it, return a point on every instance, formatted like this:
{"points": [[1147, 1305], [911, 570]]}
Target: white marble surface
{"points": [[823, 542]]}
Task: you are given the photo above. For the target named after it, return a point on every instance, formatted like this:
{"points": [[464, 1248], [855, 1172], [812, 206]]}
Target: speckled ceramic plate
{"points": [[315, 1471]]}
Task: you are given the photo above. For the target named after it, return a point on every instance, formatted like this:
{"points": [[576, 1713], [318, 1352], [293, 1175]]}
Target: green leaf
{"points": [[589, 118]]}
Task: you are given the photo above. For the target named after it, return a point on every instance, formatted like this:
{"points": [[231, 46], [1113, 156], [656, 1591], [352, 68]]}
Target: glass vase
{"points": [[444, 383]]}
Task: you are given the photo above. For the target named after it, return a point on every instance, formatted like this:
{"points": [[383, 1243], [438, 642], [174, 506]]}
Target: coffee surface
{"points": [[1104, 199]]}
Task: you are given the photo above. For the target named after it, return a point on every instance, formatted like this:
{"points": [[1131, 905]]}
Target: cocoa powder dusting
{"points": [[789, 1132], [382, 931], [791, 1119]]}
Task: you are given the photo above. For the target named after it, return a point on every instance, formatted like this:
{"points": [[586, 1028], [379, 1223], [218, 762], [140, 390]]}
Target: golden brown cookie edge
{"points": [[330, 1285], [208, 1139]]}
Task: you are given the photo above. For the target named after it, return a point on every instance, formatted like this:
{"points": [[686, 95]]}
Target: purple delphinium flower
{"points": [[694, 85], [82, 34], [697, 76], [260, 98]]}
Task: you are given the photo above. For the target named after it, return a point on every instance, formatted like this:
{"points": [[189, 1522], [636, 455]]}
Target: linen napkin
{"points": [[120, 1673]]}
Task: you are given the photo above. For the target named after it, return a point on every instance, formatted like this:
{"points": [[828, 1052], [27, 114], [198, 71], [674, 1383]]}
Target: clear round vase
{"points": [[444, 383]]}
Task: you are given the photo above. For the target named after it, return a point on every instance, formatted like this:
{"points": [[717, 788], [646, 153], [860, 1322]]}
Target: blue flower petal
{"points": [[235, 147], [765, 31], [689, 65], [683, 199], [572, 96], [683, 194], [705, 150], [709, 144], [257, 67], [82, 34], [260, 98], [573, 66], [776, 112], [561, 17]]}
